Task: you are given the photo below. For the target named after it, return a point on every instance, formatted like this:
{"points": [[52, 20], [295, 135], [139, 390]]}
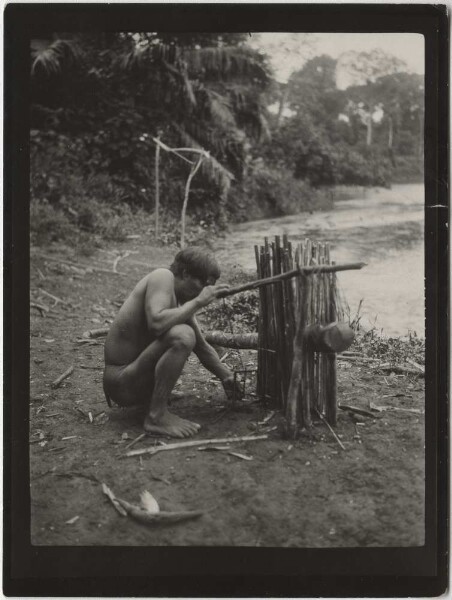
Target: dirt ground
{"points": [[307, 493]]}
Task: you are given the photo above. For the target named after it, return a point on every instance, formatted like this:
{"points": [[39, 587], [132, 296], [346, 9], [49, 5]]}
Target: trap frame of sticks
{"points": [[291, 374]]}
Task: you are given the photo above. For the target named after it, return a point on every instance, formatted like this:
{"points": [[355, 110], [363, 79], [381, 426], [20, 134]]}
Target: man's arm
{"points": [[159, 302], [207, 355]]}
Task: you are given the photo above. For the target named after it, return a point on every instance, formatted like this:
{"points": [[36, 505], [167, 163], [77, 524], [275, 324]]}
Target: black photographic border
{"points": [[220, 571]]}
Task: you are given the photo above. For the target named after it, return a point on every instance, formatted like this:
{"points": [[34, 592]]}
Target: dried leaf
{"points": [[149, 503]]}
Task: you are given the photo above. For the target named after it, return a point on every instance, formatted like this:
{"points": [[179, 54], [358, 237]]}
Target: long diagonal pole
{"points": [[293, 273]]}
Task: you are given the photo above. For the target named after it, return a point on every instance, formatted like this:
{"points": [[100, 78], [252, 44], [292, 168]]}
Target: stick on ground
{"points": [[322, 418], [62, 377], [153, 450]]}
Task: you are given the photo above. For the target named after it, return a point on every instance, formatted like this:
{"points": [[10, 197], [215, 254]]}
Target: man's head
{"points": [[193, 269]]}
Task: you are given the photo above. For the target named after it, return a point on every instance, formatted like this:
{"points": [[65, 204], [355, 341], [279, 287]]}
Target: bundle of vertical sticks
{"points": [[300, 329]]}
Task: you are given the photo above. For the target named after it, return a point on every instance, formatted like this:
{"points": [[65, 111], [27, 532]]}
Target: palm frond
{"points": [[218, 108], [164, 58], [51, 58], [225, 63], [211, 168]]}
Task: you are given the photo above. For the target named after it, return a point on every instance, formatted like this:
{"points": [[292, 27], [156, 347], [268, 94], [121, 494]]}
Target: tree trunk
{"points": [[421, 140], [390, 132], [157, 189], [282, 103], [369, 129], [187, 192]]}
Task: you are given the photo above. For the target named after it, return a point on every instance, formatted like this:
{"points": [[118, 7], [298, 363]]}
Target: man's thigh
{"points": [[132, 384]]}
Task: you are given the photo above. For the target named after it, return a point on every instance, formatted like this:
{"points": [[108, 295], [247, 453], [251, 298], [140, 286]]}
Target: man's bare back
{"points": [[152, 336]]}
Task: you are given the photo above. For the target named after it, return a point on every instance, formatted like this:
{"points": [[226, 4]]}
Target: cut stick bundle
{"points": [[297, 291]]}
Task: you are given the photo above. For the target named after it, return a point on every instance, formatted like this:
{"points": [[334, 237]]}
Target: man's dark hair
{"points": [[197, 263]]}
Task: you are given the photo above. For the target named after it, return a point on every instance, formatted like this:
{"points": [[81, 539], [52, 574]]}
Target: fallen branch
{"points": [[121, 257], [55, 298], [136, 440], [41, 307], [62, 377], [415, 411], [107, 491], [399, 369], [322, 418], [417, 365], [358, 411], [95, 333], [153, 450], [149, 518], [232, 340]]}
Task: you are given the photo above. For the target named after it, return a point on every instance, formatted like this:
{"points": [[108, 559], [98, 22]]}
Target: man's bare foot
{"points": [[171, 425]]}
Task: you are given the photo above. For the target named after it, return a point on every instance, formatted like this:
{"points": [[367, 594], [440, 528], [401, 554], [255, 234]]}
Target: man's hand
{"points": [[232, 388], [211, 293]]}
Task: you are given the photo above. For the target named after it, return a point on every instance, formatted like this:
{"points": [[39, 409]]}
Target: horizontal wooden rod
{"points": [[313, 270]]}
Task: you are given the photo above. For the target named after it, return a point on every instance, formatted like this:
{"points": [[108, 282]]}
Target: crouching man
{"points": [[153, 335]]}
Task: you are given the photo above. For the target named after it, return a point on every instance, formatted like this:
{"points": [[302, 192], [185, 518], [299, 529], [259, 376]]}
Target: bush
{"points": [[47, 223], [237, 314], [271, 192], [408, 169]]}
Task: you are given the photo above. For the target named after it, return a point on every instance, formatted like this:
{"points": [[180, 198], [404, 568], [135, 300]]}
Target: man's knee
{"points": [[182, 336]]}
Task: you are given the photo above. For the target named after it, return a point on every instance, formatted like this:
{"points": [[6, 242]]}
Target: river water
{"points": [[383, 228]]}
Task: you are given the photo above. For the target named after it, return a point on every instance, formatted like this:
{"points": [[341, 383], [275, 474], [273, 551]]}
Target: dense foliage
{"points": [[99, 99]]}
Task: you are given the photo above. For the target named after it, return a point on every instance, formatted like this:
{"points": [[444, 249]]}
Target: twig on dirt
{"points": [[107, 491], [88, 342], [73, 520], [90, 367], [153, 450], [267, 418], [90, 417], [55, 298], [157, 477], [135, 441], [225, 355], [41, 307], [415, 364], [95, 333], [322, 418], [62, 377], [121, 257], [41, 274], [359, 411], [242, 456]]}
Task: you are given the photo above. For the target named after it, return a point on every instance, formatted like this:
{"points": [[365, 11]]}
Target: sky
{"points": [[289, 51]]}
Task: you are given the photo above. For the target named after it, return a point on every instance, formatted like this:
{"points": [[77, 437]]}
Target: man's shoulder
{"points": [[160, 276]]}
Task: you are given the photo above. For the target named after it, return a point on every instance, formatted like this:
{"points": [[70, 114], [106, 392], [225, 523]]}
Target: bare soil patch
{"points": [[304, 493]]}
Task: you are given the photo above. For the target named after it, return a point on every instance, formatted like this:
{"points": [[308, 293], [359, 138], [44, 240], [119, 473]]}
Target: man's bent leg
{"points": [[180, 341]]}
